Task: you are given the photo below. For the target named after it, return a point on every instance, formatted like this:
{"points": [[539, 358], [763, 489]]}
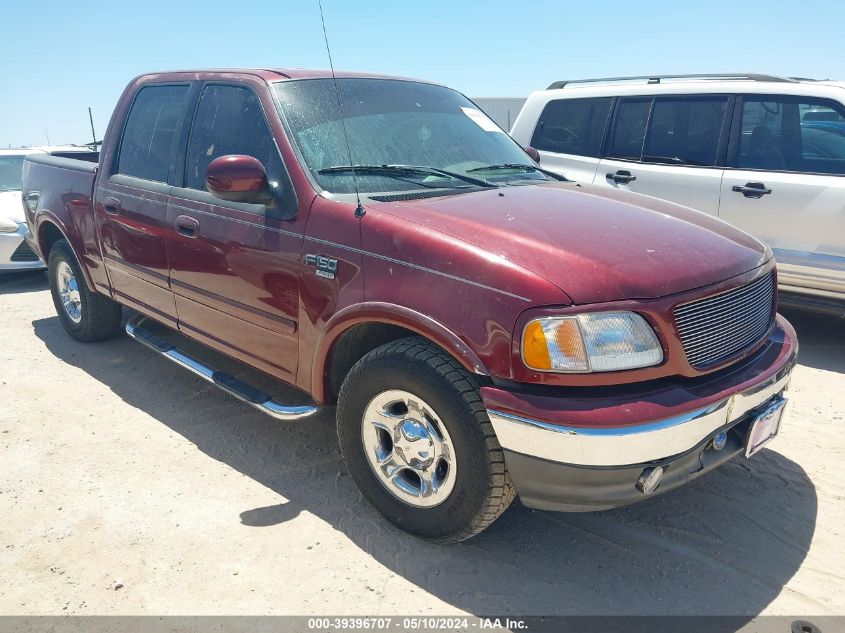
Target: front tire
{"points": [[416, 438], [87, 316]]}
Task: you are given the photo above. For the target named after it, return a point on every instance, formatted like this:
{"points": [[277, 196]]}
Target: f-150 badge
{"points": [[326, 266]]}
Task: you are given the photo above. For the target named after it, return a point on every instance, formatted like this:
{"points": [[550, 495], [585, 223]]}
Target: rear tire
{"points": [[416, 438], [87, 316]]}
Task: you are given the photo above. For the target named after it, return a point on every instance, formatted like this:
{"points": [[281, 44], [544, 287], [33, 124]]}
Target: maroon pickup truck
{"points": [[484, 328]]}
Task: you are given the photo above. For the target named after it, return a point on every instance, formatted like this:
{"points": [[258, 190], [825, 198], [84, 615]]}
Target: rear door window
{"points": [[149, 137], [786, 133], [685, 131], [629, 129], [670, 130], [572, 126]]}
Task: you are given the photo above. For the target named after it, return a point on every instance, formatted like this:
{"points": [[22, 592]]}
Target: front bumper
{"points": [[15, 253], [584, 450]]}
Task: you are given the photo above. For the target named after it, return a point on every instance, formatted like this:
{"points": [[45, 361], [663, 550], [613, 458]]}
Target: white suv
{"points": [[15, 253], [765, 153]]}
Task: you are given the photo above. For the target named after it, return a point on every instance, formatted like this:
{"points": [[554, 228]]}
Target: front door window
{"points": [[793, 134]]}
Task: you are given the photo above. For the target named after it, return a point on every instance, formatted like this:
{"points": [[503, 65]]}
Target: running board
{"points": [[228, 383]]}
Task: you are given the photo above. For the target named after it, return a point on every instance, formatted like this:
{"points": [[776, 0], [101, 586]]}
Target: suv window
{"points": [[150, 133], [786, 133], [572, 126], [629, 130], [673, 130], [685, 131], [11, 173], [229, 120]]}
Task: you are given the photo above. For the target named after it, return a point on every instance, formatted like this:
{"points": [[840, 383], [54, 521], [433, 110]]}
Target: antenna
{"points": [[93, 133], [359, 210]]}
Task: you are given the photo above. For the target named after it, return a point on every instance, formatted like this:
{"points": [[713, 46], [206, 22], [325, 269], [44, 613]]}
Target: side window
{"points": [[150, 132], [791, 134], [822, 138], [229, 120], [629, 130], [572, 126], [761, 142], [685, 131]]}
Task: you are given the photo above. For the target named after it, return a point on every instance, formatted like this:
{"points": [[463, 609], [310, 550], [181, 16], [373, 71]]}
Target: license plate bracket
{"points": [[765, 424]]}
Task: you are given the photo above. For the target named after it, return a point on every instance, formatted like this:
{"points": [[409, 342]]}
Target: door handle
{"points": [[752, 189], [112, 206], [621, 177], [187, 226]]}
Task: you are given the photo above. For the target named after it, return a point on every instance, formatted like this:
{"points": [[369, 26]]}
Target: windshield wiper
{"points": [[518, 166], [389, 170]]}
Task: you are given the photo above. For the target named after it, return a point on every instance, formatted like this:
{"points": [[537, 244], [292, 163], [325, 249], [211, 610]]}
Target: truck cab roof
{"points": [[275, 74]]}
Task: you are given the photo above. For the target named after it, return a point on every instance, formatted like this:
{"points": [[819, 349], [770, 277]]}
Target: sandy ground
{"points": [[118, 467]]}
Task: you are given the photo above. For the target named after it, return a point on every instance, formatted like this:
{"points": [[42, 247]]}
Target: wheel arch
{"points": [[50, 231], [355, 331]]}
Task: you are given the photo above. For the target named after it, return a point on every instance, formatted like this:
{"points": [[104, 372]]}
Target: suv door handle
{"points": [[752, 189], [187, 226], [112, 206], [621, 177]]}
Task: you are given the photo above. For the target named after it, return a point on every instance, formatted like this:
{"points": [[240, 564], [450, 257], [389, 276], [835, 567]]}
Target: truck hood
{"points": [[11, 205], [595, 243]]}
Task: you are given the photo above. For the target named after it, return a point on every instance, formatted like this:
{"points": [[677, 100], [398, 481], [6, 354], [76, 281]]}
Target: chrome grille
{"points": [[715, 328]]}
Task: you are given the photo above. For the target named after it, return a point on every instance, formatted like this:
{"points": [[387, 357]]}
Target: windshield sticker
{"points": [[482, 120]]}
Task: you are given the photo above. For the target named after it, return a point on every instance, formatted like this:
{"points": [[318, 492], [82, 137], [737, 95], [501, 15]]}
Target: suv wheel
{"points": [[85, 315], [417, 440]]}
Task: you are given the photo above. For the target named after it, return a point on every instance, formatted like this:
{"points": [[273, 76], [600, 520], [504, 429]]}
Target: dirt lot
{"points": [[117, 467]]}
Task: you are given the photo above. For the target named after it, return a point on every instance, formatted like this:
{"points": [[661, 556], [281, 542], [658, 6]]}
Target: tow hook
{"points": [[719, 441], [649, 480]]}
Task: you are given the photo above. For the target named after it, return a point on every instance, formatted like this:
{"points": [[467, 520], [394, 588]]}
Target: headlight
{"points": [[7, 225], [600, 341]]}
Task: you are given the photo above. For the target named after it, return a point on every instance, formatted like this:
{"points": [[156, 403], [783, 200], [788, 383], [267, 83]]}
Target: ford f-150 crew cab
{"points": [[484, 328]]}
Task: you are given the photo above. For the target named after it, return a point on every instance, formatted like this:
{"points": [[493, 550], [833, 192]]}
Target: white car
{"points": [[764, 153], [15, 253]]}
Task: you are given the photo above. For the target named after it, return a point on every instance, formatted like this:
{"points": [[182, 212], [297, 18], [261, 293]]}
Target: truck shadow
{"points": [[24, 281], [726, 544], [821, 337]]}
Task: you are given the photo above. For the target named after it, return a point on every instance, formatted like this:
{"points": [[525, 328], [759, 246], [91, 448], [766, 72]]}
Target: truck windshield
{"points": [[10, 173], [393, 122]]}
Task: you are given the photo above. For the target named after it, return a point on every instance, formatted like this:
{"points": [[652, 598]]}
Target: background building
{"points": [[502, 110]]}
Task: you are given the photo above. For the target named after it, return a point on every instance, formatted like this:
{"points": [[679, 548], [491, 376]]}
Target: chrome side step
{"points": [[228, 383]]}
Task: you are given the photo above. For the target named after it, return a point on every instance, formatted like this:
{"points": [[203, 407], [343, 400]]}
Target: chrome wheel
{"points": [[408, 448], [69, 292]]}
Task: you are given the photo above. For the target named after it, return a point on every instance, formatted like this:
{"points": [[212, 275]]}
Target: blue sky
{"points": [[60, 57]]}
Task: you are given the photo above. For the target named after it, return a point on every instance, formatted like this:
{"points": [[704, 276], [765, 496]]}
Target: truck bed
{"points": [[37, 164], [63, 189]]}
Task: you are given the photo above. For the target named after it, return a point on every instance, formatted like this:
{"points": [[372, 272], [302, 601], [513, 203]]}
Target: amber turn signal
{"points": [[554, 345], [595, 341]]}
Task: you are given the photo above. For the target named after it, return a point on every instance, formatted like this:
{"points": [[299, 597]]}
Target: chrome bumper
{"points": [[632, 444]]}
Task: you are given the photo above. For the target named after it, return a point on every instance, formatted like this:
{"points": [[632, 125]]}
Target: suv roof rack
{"points": [[655, 79]]}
